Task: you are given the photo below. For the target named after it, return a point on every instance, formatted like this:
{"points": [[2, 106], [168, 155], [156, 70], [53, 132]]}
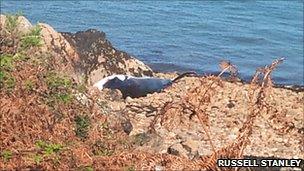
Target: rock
{"points": [[63, 54], [56, 42], [2, 21], [178, 150], [159, 168], [187, 149], [173, 151], [127, 126], [191, 145], [141, 139], [111, 95], [128, 99], [23, 24], [84, 54], [82, 98], [98, 58]]}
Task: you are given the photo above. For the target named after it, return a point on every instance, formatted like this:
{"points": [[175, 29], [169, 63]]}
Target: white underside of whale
{"points": [[100, 84]]}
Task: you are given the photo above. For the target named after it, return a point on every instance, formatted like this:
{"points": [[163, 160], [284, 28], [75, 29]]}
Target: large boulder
{"points": [[98, 58], [23, 25], [64, 55]]}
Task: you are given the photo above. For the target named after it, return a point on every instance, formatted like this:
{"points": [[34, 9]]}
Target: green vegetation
{"points": [[20, 57], [107, 132], [32, 39], [64, 97], [54, 81], [6, 155], [82, 126], [6, 62], [88, 168], [37, 158], [81, 87], [7, 80], [11, 22], [48, 148], [101, 149], [29, 85], [130, 168]]}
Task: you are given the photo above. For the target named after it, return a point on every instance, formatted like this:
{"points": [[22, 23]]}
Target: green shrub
{"points": [[130, 168], [20, 57], [29, 85], [37, 159], [101, 149], [7, 80], [89, 168], [6, 155], [54, 81], [6, 62], [64, 97], [82, 126], [48, 148], [11, 22], [32, 39]]}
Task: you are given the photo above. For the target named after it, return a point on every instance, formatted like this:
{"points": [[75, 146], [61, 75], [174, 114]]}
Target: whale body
{"points": [[135, 86]]}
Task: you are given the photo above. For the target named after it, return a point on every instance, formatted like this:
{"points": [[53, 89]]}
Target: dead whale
{"points": [[137, 86]]}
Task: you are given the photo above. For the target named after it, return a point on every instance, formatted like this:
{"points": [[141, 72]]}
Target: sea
{"points": [[187, 35]]}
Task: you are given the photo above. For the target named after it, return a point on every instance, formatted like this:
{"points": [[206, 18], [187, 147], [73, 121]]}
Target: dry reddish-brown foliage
{"points": [[41, 106]]}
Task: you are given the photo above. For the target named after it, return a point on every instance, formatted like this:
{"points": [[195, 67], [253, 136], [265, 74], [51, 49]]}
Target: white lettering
{"points": [[220, 163], [297, 162], [263, 163]]}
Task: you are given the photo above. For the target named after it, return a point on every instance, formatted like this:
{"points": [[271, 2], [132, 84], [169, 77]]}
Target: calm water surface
{"points": [[187, 35]]}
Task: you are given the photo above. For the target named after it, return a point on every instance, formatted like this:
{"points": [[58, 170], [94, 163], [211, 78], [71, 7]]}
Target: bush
{"points": [[11, 22], [7, 80], [6, 62], [6, 155], [54, 80], [82, 126], [48, 148], [32, 39]]}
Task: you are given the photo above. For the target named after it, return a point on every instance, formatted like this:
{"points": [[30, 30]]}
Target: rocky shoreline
{"points": [[53, 119]]}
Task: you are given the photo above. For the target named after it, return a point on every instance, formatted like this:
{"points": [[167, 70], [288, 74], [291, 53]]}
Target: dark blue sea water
{"points": [[187, 35]]}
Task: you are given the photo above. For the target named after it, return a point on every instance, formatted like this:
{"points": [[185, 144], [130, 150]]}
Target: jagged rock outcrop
{"points": [[85, 54], [98, 58], [63, 54]]}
